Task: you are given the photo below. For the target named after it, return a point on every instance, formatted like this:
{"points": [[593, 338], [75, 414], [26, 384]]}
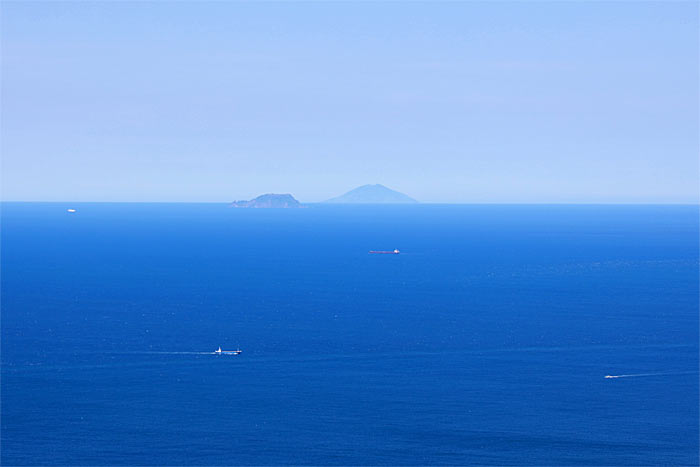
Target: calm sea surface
{"points": [[486, 341]]}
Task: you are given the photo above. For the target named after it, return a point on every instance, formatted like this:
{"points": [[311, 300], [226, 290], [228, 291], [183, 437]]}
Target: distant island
{"points": [[372, 194], [269, 200]]}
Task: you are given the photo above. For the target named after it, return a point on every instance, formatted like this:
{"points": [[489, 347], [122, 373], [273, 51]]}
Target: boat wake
{"points": [[177, 353], [216, 352], [639, 375]]}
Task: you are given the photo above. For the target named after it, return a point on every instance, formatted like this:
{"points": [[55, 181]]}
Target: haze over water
{"points": [[486, 341]]}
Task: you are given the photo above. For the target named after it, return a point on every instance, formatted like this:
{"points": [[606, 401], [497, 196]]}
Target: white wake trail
{"points": [[173, 353], [639, 375]]}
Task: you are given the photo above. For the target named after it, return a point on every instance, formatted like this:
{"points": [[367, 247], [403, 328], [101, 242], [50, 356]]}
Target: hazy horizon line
{"points": [[542, 203]]}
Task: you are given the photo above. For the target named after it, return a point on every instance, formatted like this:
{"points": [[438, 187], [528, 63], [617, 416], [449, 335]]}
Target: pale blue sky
{"points": [[447, 102]]}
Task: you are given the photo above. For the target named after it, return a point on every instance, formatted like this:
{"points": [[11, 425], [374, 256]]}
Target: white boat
{"points": [[228, 352]]}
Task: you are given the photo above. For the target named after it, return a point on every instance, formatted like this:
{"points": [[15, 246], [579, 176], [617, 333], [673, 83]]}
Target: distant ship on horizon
{"points": [[228, 352]]}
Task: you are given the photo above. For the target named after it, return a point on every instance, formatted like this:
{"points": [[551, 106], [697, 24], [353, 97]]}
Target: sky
{"points": [[448, 102]]}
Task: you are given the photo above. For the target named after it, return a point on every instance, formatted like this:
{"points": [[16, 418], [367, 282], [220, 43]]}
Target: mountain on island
{"points": [[269, 200], [372, 194]]}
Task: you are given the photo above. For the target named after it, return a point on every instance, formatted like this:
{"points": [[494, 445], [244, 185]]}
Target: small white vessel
{"points": [[228, 352], [70, 210]]}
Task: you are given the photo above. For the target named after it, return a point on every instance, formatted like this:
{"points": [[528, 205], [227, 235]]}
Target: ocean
{"points": [[486, 341]]}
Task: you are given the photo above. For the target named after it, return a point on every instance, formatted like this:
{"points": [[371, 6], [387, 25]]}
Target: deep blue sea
{"points": [[486, 341]]}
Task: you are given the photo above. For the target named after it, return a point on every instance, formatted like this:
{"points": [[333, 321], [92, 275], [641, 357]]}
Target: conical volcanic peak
{"points": [[372, 194]]}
